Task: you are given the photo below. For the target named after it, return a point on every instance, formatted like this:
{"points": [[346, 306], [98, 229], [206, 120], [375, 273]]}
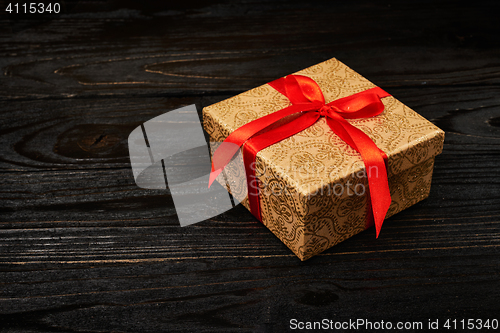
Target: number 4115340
{"points": [[33, 8]]}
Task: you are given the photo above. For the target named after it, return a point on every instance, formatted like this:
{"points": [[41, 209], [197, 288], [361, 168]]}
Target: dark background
{"points": [[83, 249]]}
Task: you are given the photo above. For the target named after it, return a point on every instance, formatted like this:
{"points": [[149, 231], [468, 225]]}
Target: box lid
{"points": [[309, 158]]}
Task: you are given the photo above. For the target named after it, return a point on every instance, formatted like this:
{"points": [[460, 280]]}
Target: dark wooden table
{"points": [[83, 249]]}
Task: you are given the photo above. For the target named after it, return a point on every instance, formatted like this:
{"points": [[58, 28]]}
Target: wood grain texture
{"points": [[83, 249]]}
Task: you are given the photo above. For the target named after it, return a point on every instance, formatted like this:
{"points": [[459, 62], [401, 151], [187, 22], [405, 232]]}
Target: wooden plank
{"points": [[129, 52], [79, 134]]}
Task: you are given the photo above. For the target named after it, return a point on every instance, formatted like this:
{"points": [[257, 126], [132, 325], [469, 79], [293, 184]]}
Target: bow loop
{"points": [[352, 107], [302, 89]]}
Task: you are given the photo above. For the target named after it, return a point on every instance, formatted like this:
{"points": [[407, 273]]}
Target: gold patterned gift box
{"points": [[313, 184]]}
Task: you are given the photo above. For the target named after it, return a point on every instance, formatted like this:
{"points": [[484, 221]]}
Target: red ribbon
{"points": [[308, 100]]}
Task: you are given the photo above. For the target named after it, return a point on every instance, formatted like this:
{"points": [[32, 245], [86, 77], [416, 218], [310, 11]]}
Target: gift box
{"points": [[314, 188]]}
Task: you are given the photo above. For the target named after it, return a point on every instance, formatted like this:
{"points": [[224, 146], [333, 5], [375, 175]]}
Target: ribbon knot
{"points": [[305, 96], [324, 110]]}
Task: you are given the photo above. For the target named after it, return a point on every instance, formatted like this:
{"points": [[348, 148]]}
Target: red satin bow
{"points": [[306, 98]]}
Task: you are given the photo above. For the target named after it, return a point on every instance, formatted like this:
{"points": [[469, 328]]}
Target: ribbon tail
{"points": [[213, 176], [376, 171], [259, 142]]}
